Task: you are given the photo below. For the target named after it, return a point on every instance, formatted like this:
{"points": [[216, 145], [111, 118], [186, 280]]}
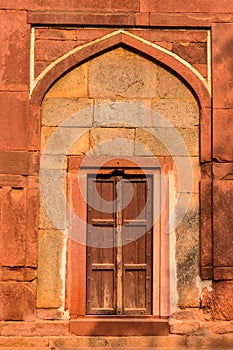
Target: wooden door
{"points": [[119, 245]]}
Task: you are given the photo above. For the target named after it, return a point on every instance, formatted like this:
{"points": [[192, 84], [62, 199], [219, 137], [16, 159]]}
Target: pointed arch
{"points": [[161, 56]]}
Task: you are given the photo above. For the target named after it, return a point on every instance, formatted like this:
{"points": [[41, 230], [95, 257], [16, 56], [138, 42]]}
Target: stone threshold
{"points": [[119, 326]]}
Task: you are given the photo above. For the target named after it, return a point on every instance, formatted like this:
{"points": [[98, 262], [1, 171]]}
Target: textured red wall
{"points": [[20, 138]]}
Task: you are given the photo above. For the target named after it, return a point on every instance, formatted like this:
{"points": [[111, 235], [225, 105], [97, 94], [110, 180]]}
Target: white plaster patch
{"points": [[203, 284]]}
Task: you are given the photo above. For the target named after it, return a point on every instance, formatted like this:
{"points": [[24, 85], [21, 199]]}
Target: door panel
{"points": [[101, 254], [119, 245]]}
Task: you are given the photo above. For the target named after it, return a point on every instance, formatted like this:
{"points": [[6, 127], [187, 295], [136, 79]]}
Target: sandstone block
{"points": [[187, 255], [222, 68], [70, 112], [188, 183], [13, 227], [24, 342], [14, 76], [206, 223], [90, 5], [15, 163], [87, 35], [34, 127], [17, 274], [185, 6], [193, 52], [55, 34], [35, 329], [185, 327], [223, 171], [112, 141], [180, 113], [210, 342], [32, 223], [13, 121], [170, 86], [167, 142], [17, 301], [51, 245], [123, 113], [50, 50], [67, 141], [221, 302], [223, 197], [72, 85], [120, 73], [205, 135], [49, 314], [222, 136]]}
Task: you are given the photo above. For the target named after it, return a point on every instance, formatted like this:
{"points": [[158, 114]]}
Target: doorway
{"points": [[119, 244]]}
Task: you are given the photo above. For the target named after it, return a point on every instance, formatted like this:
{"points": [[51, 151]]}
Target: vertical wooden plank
{"points": [[101, 268], [137, 250], [119, 224]]}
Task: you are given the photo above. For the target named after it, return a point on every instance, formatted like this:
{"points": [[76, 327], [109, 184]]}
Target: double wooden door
{"points": [[119, 244]]}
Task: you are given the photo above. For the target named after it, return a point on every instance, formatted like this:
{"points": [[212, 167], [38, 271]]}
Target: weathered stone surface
{"points": [[15, 163], [192, 52], [13, 120], [167, 141], [201, 68], [206, 237], [34, 329], [32, 222], [112, 141], [55, 34], [171, 35], [50, 50], [13, 227], [210, 342], [205, 135], [123, 112], [180, 113], [64, 140], [185, 6], [90, 34], [161, 342], [186, 327], [24, 343], [17, 301], [223, 171], [12, 181], [188, 314], [72, 84], [120, 73], [17, 274], [49, 294], [221, 302], [34, 127], [65, 18], [49, 314], [170, 86], [187, 255], [222, 65], [15, 47], [222, 205], [71, 112], [188, 183], [222, 135]]}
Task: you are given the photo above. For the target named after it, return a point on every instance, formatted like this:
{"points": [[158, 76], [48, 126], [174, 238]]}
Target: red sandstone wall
{"points": [[19, 132]]}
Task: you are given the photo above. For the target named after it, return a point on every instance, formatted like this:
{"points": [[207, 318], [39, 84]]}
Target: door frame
{"points": [[78, 168]]}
